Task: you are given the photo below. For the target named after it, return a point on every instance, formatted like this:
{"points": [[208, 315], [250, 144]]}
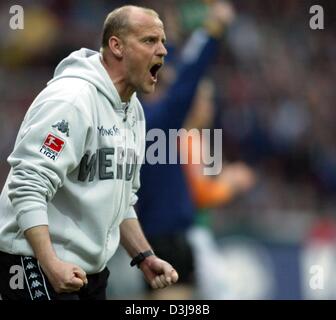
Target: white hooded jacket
{"points": [[75, 165]]}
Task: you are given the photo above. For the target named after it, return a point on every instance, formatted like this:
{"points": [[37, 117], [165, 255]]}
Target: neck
{"points": [[116, 75]]}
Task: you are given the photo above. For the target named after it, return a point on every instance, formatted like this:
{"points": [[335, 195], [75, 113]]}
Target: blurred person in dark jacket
{"points": [[165, 206]]}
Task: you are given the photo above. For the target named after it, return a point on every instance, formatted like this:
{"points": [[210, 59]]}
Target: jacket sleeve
{"points": [[171, 110], [43, 155]]}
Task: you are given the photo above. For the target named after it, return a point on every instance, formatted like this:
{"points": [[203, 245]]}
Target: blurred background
{"points": [[275, 102]]}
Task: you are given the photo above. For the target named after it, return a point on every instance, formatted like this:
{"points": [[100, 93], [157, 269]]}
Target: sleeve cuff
{"points": [[31, 219], [131, 214]]}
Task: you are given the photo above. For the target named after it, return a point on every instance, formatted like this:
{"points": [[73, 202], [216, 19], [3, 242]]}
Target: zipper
{"points": [[125, 116], [123, 187]]}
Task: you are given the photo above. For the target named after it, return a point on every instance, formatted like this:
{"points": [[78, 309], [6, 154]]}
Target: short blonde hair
{"points": [[117, 22]]}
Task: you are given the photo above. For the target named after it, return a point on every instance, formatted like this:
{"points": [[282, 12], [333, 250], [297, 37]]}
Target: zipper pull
{"points": [[126, 109]]}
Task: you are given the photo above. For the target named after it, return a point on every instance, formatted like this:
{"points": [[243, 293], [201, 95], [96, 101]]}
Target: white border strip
{"points": [[45, 287], [24, 272]]}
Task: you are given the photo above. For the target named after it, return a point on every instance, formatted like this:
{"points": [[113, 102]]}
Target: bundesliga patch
{"points": [[52, 146]]}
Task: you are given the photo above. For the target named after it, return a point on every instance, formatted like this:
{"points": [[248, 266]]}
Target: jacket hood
{"points": [[86, 64]]}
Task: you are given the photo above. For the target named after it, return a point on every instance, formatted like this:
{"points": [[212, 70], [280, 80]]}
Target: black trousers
{"points": [[176, 249], [22, 278]]}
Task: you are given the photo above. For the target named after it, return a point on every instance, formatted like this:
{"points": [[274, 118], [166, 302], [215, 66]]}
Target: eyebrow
{"points": [[156, 37]]}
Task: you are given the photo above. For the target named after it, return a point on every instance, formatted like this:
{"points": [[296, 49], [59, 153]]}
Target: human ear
{"points": [[116, 47]]}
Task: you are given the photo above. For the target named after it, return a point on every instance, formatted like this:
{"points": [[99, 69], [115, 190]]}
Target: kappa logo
{"points": [[30, 265], [62, 126], [38, 294], [52, 146], [27, 258], [36, 284], [33, 275]]}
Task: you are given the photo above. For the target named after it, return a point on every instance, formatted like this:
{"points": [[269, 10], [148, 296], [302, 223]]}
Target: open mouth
{"points": [[154, 70]]}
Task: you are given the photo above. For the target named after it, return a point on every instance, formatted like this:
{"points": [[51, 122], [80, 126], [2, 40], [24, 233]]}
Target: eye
{"points": [[150, 40]]}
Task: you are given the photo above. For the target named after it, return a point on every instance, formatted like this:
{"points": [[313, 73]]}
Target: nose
{"points": [[162, 51]]}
